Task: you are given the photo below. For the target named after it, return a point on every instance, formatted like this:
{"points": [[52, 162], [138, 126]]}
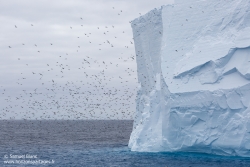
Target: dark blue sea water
{"points": [[89, 144]]}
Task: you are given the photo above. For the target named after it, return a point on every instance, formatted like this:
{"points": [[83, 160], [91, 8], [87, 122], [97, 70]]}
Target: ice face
{"points": [[193, 61]]}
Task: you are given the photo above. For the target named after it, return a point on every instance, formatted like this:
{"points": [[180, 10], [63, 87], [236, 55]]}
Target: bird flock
{"points": [[68, 72]]}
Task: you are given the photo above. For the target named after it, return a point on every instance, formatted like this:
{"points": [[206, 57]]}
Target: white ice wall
{"points": [[198, 32], [147, 32], [193, 61]]}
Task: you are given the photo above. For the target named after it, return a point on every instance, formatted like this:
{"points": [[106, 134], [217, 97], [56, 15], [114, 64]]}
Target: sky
{"points": [[69, 59]]}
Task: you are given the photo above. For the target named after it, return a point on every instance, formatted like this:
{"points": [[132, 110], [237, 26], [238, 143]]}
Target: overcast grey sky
{"points": [[69, 59]]}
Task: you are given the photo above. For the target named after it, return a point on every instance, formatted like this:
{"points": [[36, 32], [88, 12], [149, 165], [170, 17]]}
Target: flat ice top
{"points": [[205, 45]]}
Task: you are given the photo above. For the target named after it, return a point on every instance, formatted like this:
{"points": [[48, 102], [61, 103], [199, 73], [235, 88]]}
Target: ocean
{"points": [[95, 143]]}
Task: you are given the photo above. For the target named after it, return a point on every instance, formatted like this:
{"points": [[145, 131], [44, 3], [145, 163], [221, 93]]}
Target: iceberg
{"points": [[193, 65]]}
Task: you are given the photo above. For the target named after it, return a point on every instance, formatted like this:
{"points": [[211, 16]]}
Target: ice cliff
{"points": [[193, 61]]}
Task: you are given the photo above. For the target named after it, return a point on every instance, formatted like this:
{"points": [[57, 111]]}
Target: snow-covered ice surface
{"points": [[193, 60]]}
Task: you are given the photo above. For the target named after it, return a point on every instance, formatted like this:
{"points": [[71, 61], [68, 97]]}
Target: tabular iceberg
{"points": [[193, 61]]}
